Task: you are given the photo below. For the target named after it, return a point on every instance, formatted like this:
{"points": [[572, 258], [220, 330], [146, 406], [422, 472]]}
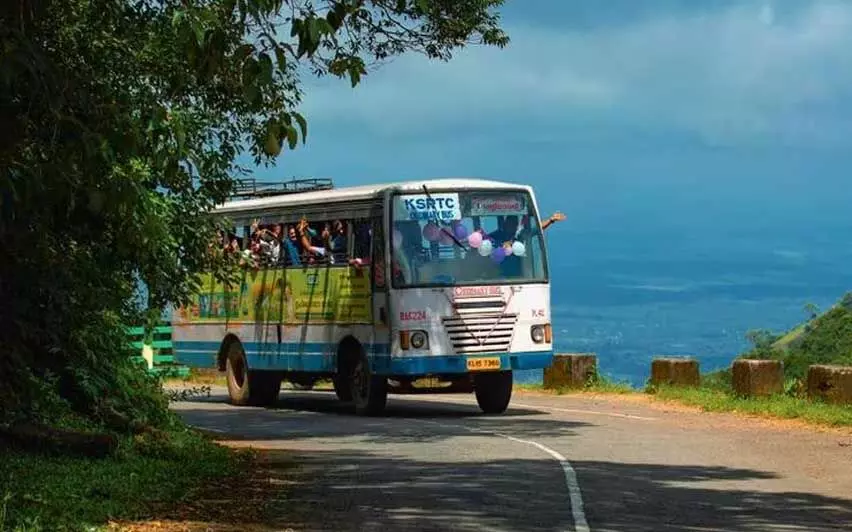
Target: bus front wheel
{"points": [[493, 391], [342, 387], [369, 391], [247, 387]]}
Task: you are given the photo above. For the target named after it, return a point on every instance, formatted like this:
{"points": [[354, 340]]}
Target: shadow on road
{"points": [[372, 487], [679, 498], [404, 420], [351, 490]]}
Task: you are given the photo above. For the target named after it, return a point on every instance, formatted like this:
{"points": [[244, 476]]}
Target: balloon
{"points": [[461, 231], [498, 255], [475, 239], [446, 236], [431, 232], [519, 249], [397, 239], [485, 248]]}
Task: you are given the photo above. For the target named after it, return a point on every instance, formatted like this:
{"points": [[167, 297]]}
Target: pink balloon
{"points": [[475, 239], [431, 232]]}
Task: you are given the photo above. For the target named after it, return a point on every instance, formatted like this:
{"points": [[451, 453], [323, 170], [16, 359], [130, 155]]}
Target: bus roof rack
{"points": [[251, 188]]}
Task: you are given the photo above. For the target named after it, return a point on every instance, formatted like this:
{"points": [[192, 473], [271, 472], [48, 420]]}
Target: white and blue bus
{"points": [[464, 303]]}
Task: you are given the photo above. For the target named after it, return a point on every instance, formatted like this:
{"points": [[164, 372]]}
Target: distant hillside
{"points": [[825, 339]]}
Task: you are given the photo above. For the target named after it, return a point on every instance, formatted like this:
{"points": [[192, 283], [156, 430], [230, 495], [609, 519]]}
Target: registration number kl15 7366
{"points": [[483, 363]]}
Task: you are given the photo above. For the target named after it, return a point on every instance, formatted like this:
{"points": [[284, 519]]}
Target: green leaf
{"points": [[178, 17], [251, 92], [323, 26], [334, 20], [281, 58], [355, 70], [272, 146], [243, 51], [303, 125], [265, 65], [292, 137], [313, 31], [180, 137]]}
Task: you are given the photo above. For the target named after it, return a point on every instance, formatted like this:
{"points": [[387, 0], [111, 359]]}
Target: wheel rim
{"points": [[360, 382]]}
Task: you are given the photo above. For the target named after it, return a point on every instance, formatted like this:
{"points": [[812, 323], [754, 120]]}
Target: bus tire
{"points": [[369, 391], [264, 387], [246, 387], [342, 387], [493, 391]]}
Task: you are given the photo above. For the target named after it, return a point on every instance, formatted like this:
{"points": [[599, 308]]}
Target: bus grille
{"points": [[481, 333]]}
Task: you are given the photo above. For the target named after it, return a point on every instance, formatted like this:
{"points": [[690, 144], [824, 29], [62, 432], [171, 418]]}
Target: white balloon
{"points": [[486, 248], [519, 249]]}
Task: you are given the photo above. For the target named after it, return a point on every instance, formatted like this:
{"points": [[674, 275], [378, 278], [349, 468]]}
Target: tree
{"points": [[846, 301], [811, 310], [122, 121], [761, 339]]}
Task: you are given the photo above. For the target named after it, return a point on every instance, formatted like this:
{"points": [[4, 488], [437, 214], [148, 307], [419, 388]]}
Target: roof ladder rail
{"points": [[251, 188]]}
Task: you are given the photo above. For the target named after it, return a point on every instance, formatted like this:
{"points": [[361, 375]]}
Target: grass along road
{"points": [[716, 396]]}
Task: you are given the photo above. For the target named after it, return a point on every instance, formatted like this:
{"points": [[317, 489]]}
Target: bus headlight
{"points": [[413, 340], [419, 340], [537, 333]]}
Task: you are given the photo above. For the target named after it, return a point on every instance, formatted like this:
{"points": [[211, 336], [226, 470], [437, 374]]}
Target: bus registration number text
{"points": [[483, 364]]}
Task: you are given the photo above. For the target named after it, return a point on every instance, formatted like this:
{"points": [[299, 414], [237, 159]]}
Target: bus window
{"points": [[468, 237], [378, 242]]}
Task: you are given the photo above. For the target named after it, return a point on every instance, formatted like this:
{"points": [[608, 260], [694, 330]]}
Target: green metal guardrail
{"points": [[160, 350]]}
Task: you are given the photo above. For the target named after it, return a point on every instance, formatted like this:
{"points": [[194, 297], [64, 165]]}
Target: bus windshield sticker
{"points": [[422, 207], [497, 205]]}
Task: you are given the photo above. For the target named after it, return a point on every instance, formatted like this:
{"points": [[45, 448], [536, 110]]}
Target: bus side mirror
{"points": [[383, 317]]}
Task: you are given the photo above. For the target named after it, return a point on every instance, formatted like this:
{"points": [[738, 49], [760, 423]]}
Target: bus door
{"points": [[380, 273]]}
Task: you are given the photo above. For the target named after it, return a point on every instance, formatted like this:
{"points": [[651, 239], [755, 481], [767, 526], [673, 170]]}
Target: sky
{"points": [[719, 122]]}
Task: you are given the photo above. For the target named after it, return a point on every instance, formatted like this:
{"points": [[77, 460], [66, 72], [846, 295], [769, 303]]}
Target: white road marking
{"points": [[574, 493], [579, 411]]}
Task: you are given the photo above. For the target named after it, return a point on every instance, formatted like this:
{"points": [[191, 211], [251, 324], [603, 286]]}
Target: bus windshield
{"points": [[472, 237]]}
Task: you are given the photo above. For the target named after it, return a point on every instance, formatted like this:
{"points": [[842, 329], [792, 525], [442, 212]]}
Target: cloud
{"points": [[742, 74]]}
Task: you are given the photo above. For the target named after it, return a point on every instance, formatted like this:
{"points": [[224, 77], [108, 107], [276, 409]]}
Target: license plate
{"points": [[483, 364]]}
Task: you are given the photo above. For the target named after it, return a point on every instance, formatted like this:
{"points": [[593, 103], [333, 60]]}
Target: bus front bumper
{"points": [[460, 364]]}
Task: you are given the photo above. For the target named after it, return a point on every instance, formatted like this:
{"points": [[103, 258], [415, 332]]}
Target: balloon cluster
{"points": [[476, 240], [498, 254]]}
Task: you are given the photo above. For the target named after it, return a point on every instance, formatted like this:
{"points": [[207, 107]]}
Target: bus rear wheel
{"points": [[369, 391], [493, 391], [247, 387]]}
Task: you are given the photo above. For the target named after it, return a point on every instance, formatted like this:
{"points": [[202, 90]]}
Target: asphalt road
{"points": [[549, 463]]}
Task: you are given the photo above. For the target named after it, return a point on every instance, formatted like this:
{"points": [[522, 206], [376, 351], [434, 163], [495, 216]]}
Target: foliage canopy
{"points": [[122, 123]]}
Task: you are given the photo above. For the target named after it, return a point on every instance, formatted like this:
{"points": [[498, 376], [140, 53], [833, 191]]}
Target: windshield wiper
{"points": [[438, 219]]}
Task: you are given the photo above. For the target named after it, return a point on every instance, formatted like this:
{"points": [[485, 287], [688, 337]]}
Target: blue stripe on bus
{"points": [[320, 358]]}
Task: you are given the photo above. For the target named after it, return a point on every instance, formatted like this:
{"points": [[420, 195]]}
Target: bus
{"points": [[433, 286]]}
